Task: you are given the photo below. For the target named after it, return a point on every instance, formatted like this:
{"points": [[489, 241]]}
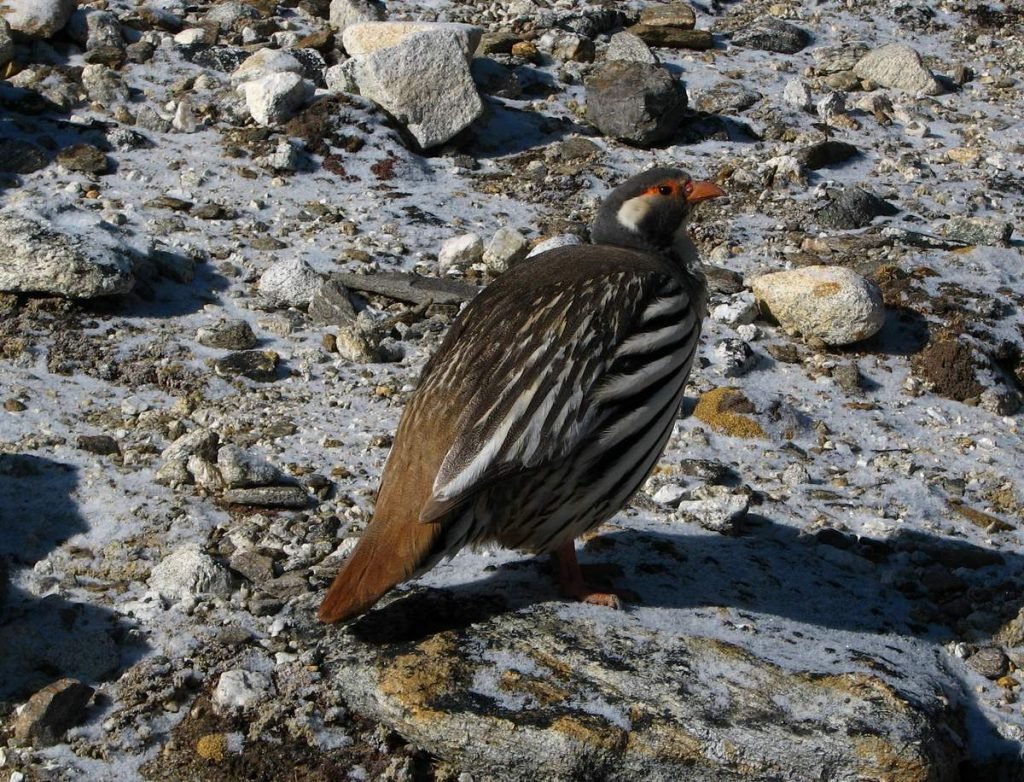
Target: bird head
{"points": [[650, 211]]}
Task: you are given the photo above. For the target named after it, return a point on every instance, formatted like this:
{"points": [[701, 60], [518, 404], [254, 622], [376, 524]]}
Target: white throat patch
{"points": [[633, 212]]}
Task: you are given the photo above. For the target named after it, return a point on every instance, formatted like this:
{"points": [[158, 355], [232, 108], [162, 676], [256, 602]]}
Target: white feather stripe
{"points": [[665, 306], [651, 372], [649, 341], [485, 457], [629, 468], [638, 418], [527, 443]]}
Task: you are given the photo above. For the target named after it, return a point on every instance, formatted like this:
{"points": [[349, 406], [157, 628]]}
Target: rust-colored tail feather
{"points": [[388, 553]]}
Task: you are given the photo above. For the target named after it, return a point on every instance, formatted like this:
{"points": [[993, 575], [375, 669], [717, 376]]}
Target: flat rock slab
{"points": [[408, 287], [760, 656], [556, 691]]}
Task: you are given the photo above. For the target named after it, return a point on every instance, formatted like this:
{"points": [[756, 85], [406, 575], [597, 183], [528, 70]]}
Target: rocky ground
{"points": [[212, 216]]}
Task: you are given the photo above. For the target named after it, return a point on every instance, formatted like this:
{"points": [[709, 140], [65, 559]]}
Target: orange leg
{"points": [[570, 579]]}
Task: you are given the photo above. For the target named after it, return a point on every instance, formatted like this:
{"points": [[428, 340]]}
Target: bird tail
{"points": [[389, 553]]}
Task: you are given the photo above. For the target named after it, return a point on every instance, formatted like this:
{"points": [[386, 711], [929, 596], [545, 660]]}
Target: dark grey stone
{"points": [[825, 154], [259, 365], [330, 305], [772, 35], [853, 207], [635, 102]]}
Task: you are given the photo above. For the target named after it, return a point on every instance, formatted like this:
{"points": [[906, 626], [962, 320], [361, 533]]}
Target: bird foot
{"points": [[573, 585], [586, 594]]}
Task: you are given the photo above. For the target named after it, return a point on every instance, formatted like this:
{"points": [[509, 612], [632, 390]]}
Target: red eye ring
{"points": [[688, 188]]}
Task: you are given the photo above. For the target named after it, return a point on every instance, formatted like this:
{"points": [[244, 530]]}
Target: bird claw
{"points": [[570, 577], [606, 599]]}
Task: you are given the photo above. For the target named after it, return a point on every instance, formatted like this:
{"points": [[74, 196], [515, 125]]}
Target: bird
{"points": [[548, 403]]}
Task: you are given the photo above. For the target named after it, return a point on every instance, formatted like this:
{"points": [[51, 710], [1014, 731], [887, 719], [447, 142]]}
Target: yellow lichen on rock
{"points": [[212, 746], [419, 678]]}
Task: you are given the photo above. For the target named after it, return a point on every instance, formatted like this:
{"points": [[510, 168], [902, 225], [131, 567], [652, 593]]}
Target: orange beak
{"points": [[702, 191]]}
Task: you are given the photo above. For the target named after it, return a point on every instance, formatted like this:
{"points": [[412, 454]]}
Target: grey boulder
{"points": [[424, 82], [898, 67], [635, 102]]}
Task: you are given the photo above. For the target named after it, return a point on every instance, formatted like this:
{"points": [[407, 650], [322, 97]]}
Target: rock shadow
{"points": [[163, 293], [508, 130], [851, 584], [33, 133], [45, 639], [904, 333]]}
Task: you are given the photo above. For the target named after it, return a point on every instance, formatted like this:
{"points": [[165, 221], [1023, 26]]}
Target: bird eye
{"points": [[665, 190]]}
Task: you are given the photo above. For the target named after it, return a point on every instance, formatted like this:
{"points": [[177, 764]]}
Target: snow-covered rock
{"points": [[274, 99], [38, 18], [69, 253], [460, 251], [264, 63], [241, 469], [291, 282], [189, 572], [505, 248], [797, 94], [239, 689], [715, 508]]}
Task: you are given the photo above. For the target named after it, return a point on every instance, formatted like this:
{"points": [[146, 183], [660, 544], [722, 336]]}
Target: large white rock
{"points": [[239, 689], [264, 63], [829, 303], [241, 469], [344, 13], [898, 67], [797, 94], [368, 37], [274, 99], [506, 247], [189, 572], [460, 251], [290, 282], [37, 18], [68, 253], [424, 82]]}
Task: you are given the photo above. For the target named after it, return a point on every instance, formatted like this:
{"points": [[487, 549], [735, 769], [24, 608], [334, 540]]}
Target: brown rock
{"points": [[83, 158], [678, 15], [322, 41], [672, 37], [51, 711], [949, 366]]}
